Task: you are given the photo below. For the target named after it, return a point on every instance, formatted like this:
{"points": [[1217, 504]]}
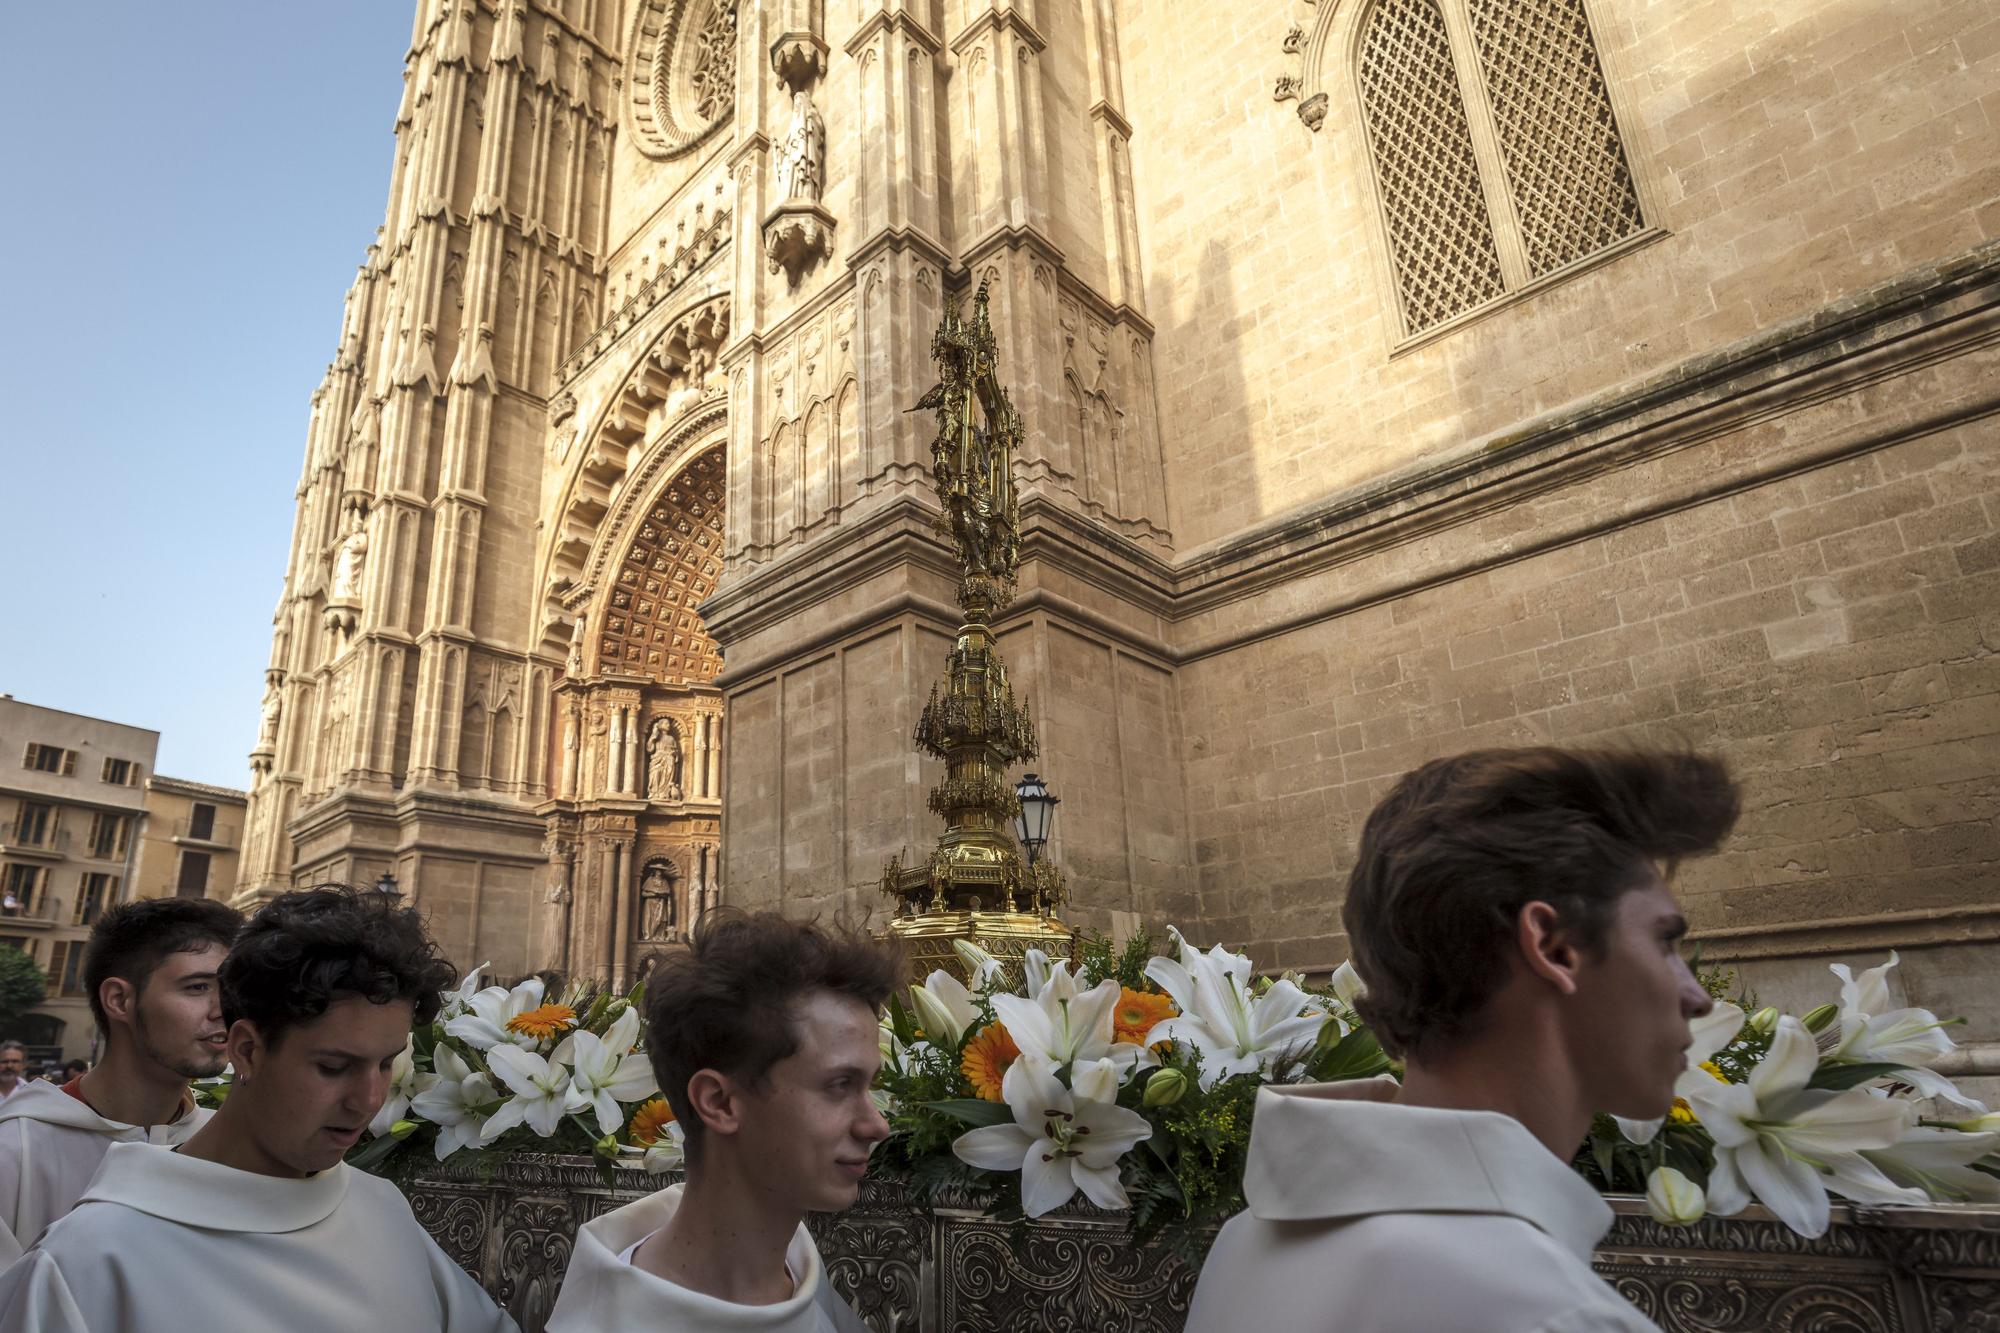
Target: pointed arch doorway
{"points": [[635, 828]]}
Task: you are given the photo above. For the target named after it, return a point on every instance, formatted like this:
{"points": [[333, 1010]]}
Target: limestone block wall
{"points": [[1808, 586], [1791, 155]]}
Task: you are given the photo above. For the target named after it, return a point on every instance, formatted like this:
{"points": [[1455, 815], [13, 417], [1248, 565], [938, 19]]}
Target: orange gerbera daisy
{"points": [[650, 1121], [550, 1020], [987, 1058], [1137, 1012]]}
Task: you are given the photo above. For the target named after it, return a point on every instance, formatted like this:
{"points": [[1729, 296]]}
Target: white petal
{"points": [[1347, 984], [1785, 1185], [1174, 979], [510, 1114], [1641, 1132], [623, 1033], [1790, 1065], [634, 1080], [994, 1147], [478, 1032], [1046, 1180], [1727, 1194], [1100, 1185], [1027, 1023], [545, 1116], [1034, 972], [1713, 1031], [609, 1118]]}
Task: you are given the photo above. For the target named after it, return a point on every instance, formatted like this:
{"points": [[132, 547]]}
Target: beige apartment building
{"points": [[191, 839], [1398, 376], [72, 804]]}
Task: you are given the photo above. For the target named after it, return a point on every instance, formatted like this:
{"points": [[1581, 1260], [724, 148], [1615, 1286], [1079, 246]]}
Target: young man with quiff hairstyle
{"points": [[1511, 917], [150, 972], [765, 1036]]}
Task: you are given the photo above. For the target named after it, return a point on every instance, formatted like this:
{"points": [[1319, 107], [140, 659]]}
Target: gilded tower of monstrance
{"points": [[975, 885]]}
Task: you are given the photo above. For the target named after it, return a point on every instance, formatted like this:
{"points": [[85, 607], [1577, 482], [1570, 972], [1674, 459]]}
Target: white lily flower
{"points": [[945, 1008], [1870, 1031], [1939, 1162], [457, 1001], [1034, 973], [607, 1070], [404, 1084], [1706, 1035], [1232, 1031], [1347, 984], [1787, 1144], [1674, 1199], [1064, 1026], [455, 1102], [483, 1025], [1062, 1139], [981, 966], [543, 1092]]}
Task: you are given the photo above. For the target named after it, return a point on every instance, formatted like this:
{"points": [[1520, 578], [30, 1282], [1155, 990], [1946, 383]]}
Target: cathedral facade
{"points": [[1398, 376]]}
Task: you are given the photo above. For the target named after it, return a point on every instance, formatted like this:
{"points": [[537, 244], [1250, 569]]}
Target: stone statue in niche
{"points": [[269, 712], [573, 667], [656, 894], [351, 558], [663, 761], [802, 152]]}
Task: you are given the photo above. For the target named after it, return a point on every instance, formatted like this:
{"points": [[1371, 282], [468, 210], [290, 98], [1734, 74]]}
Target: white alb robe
{"points": [[1365, 1216], [605, 1293], [50, 1147], [163, 1243]]}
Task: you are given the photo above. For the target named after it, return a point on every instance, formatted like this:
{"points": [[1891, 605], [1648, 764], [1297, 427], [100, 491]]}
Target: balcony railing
{"points": [[222, 835]]}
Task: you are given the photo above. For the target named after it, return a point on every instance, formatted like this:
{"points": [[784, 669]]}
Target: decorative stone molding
{"points": [[512, 1223], [796, 233], [799, 59], [680, 74]]}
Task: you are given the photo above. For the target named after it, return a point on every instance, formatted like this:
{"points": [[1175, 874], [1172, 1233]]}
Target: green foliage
{"points": [[22, 984], [1096, 959]]}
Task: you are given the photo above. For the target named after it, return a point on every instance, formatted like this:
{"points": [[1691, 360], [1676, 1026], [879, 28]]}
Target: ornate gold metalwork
{"points": [[974, 885]]}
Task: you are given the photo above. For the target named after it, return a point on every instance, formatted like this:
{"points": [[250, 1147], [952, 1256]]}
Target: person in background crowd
{"points": [[13, 1064], [1512, 921], [150, 971], [256, 1222], [764, 1034], [74, 1069]]}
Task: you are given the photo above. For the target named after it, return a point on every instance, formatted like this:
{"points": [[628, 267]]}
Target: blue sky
{"points": [[189, 188]]}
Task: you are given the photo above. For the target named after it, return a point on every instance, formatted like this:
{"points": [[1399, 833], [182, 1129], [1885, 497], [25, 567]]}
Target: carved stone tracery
{"points": [[681, 72]]}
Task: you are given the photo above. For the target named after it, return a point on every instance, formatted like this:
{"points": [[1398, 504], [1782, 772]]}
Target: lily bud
{"points": [[1674, 1199], [605, 1147], [402, 1129], [1984, 1124], [1817, 1020], [1765, 1020], [1165, 1087]]}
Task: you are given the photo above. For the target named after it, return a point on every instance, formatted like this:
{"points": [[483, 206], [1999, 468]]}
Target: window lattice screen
{"points": [[1566, 168], [1440, 236]]}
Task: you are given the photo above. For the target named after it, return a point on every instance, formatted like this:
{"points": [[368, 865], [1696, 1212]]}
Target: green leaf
{"points": [[972, 1111], [1840, 1077], [373, 1153], [1356, 1055]]}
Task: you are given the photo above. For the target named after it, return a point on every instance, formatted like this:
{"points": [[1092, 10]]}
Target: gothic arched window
{"points": [[1498, 160], [681, 72]]}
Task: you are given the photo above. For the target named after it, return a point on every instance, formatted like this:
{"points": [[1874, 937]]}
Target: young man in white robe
{"points": [[1510, 916], [765, 1036], [150, 972], [255, 1222]]}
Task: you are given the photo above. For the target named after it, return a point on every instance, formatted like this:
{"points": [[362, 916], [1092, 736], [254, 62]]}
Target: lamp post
{"points": [[1038, 814], [387, 886]]}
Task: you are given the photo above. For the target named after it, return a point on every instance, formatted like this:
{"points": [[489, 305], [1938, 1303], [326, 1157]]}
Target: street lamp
{"points": [[1038, 813], [387, 885]]}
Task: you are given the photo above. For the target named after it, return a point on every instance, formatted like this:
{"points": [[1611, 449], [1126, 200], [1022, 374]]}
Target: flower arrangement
{"points": [[513, 1069], [1789, 1111], [1133, 1080]]}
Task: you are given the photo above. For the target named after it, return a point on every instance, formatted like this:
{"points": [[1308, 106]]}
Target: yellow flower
{"points": [[550, 1020], [986, 1060], [1136, 1014], [650, 1121], [1715, 1071], [1681, 1113]]}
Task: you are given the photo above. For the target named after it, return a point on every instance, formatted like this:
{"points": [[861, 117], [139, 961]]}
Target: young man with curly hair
{"points": [[256, 1222], [150, 972], [1511, 917], [764, 1034]]}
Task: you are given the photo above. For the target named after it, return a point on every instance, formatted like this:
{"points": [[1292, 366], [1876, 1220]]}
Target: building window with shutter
{"points": [[98, 892], [193, 879], [21, 894], [65, 969], [201, 822], [121, 772], [1497, 157], [35, 824], [49, 759], [108, 834]]}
